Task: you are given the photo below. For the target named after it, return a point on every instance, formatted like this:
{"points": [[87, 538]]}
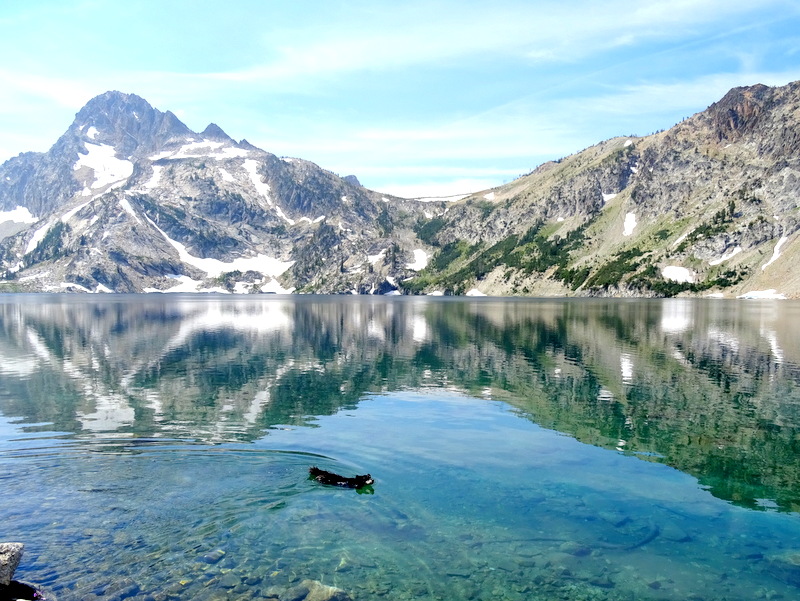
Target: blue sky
{"points": [[415, 98]]}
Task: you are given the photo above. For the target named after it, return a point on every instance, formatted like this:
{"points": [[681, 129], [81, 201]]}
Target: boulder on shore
{"points": [[10, 556]]}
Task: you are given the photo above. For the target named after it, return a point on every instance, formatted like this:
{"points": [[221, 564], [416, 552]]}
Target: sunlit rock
{"points": [[10, 556]]}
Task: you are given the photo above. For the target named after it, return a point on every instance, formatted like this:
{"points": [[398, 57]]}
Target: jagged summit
{"points": [[128, 123], [113, 104], [129, 199], [215, 132]]}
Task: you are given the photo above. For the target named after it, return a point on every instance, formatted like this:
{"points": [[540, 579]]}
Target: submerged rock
{"points": [[313, 590], [213, 556], [10, 556], [785, 567], [675, 533]]}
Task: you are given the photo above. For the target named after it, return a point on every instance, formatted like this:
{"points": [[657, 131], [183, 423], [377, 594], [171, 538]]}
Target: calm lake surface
{"points": [[157, 447]]}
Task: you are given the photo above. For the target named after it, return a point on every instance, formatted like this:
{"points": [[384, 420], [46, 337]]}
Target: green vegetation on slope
{"points": [[458, 264]]}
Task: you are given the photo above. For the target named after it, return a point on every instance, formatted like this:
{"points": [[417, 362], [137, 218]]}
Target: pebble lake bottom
{"points": [[473, 499]]}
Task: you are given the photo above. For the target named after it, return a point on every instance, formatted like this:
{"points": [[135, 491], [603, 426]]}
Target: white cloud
{"points": [[311, 55], [62, 91], [558, 97]]}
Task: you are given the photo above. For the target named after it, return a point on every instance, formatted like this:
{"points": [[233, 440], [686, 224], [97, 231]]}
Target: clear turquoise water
{"points": [[158, 447]]}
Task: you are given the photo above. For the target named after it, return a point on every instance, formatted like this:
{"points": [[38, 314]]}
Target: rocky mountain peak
{"points": [[215, 132], [738, 111], [112, 104], [128, 123]]}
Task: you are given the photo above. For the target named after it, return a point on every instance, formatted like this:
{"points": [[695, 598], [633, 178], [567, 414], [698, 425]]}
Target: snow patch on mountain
{"points": [[18, 215], [185, 284], [309, 220], [109, 172], [226, 175], [420, 260], [680, 239], [154, 180], [202, 149], [776, 253], [629, 225], [770, 294], [375, 258], [214, 267], [71, 213], [453, 198], [274, 287], [37, 237], [72, 287], [126, 206], [678, 274], [251, 166], [726, 256]]}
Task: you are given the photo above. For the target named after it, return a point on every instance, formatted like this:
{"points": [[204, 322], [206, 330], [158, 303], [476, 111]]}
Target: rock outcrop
{"points": [[10, 556]]}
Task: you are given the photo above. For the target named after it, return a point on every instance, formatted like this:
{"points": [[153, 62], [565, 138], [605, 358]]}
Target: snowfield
{"points": [[109, 171], [215, 267], [18, 215]]}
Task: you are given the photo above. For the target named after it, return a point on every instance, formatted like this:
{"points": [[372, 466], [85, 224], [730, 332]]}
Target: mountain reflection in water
{"points": [[707, 387]]}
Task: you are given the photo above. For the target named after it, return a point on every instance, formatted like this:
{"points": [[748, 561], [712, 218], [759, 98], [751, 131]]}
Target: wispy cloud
{"points": [[398, 91], [63, 91], [413, 34]]}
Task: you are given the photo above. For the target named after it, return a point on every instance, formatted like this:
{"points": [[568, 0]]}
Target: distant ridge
{"points": [[129, 199]]}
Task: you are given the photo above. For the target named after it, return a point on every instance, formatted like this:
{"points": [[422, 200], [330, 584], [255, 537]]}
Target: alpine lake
{"points": [[157, 447]]}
